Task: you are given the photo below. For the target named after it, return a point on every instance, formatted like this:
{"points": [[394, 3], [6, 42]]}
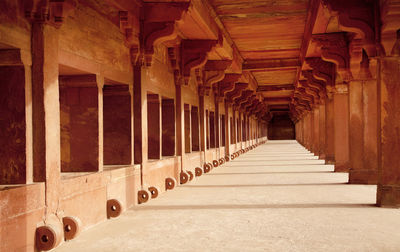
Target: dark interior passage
{"points": [[281, 127]]}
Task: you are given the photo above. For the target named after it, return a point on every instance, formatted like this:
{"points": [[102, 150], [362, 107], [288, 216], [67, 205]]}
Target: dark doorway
{"points": [[281, 127]]}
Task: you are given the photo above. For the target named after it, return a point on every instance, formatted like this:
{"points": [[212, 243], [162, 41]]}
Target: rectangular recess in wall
{"points": [[195, 129], [187, 123], [117, 133], [168, 127], [13, 125], [212, 130], [79, 122], [153, 126]]}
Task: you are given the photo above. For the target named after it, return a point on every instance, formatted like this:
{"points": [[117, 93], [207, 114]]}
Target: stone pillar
{"points": [[370, 154], [305, 130], [309, 130], [132, 124], [140, 116], [203, 127], [234, 127], [329, 130], [227, 130], [100, 85], [356, 127], [389, 181], [301, 131], [341, 108], [363, 127], [322, 130], [216, 121], [180, 127], [239, 130], [316, 130], [46, 111]]}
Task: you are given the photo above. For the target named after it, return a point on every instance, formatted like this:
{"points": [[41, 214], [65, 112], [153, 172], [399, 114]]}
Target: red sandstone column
{"points": [[302, 130], [203, 126], [369, 175], [322, 130], [216, 121], [363, 127], [309, 130], [227, 130], [341, 107], [100, 85], [312, 132], [132, 125], [316, 131], [180, 127], [140, 116], [389, 170], [306, 130], [46, 112], [356, 128], [330, 130]]}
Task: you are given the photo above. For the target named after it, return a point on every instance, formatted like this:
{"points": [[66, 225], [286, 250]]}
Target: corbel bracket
{"points": [[335, 49]]}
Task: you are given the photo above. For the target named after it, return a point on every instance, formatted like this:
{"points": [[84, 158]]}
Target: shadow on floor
{"points": [[278, 160], [264, 185], [255, 173], [253, 206], [262, 165]]}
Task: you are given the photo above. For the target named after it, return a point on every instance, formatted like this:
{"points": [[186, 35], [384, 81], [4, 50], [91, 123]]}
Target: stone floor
{"points": [[278, 197]]}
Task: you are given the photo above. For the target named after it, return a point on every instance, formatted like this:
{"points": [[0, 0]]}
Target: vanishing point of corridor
{"points": [[277, 197]]}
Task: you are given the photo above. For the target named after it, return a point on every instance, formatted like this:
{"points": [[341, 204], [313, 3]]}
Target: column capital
{"points": [[341, 88]]}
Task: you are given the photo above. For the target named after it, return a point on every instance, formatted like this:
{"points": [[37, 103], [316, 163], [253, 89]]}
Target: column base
{"points": [[329, 159], [388, 196], [365, 177], [342, 167]]}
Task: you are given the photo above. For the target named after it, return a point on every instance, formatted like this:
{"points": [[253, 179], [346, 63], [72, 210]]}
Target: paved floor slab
{"points": [[278, 197]]}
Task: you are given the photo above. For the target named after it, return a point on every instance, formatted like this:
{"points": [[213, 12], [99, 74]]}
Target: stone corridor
{"points": [[277, 197]]}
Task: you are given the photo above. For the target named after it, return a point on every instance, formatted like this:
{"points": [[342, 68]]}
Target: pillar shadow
{"points": [[255, 173], [263, 185], [263, 165], [255, 206]]}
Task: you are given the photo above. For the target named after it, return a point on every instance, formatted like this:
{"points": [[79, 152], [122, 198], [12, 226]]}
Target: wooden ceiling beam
{"points": [[287, 87], [271, 64]]}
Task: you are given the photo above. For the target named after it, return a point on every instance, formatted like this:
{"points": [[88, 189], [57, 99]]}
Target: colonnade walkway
{"points": [[277, 197]]}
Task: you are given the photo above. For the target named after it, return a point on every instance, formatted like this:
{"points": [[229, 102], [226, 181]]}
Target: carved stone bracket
{"points": [[243, 97], [248, 102], [300, 102], [321, 70], [157, 25], [310, 90], [316, 84], [214, 71], [306, 96], [227, 84], [356, 16], [194, 55], [52, 12], [239, 87], [335, 49], [175, 61]]}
